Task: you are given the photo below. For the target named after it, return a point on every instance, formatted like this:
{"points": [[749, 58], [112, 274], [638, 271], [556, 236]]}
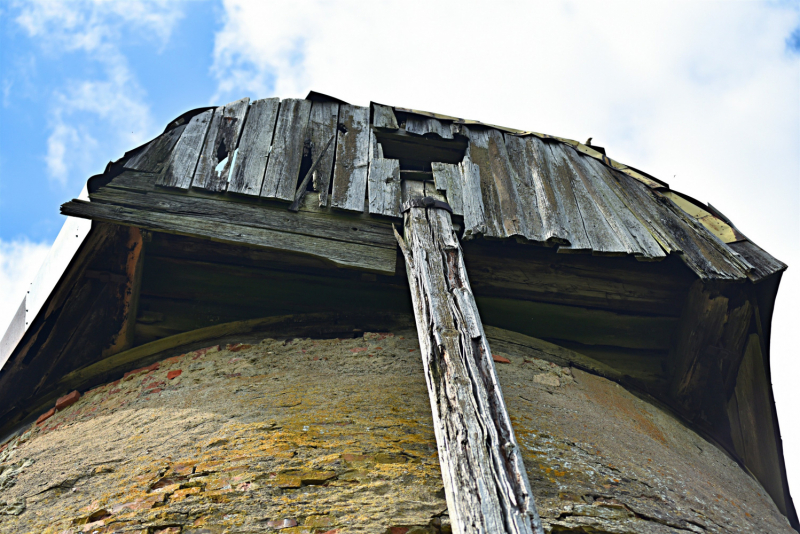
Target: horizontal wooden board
{"points": [[378, 259]]}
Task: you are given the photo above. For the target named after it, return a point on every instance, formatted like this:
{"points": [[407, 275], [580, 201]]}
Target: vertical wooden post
{"points": [[485, 482]]}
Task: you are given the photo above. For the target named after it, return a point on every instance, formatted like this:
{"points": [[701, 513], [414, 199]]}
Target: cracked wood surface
{"points": [[485, 482]]}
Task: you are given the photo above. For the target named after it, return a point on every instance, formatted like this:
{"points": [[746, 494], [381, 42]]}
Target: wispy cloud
{"points": [[113, 102]]}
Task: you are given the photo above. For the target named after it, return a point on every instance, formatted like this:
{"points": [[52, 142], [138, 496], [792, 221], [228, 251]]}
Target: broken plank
{"points": [[250, 158], [423, 125], [383, 117], [286, 156], [354, 255], [472, 202], [153, 156], [179, 171], [384, 187], [447, 178], [352, 154], [214, 164], [485, 481], [322, 125]]}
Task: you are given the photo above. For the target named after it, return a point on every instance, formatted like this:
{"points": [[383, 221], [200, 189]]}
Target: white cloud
{"points": [[701, 94], [19, 262], [116, 100]]}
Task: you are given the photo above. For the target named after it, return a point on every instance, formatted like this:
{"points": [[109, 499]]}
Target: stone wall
{"points": [[316, 436]]}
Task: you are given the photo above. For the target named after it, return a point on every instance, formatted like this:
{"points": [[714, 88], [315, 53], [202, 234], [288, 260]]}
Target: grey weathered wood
{"points": [[250, 158], [677, 232], [384, 187], [214, 165], [524, 163], [596, 221], [322, 124], [485, 481], [383, 117], [557, 184], [179, 171], [420, 125], [447, 178], [337, 227], [345, 254], [474, 218], [352, 159], [283, 168], [153, 156], [763, 263], [629, 229]]}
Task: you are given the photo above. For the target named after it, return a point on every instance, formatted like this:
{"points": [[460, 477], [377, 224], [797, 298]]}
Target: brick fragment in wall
{"points": [[341, 441]]}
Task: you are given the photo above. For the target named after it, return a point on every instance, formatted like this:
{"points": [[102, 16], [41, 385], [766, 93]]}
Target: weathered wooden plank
{"points": [[598, 219], [423, 125], [352, 159], [384, 187], [559, 183], [179, 171], [283, 168], [485, 481], [472, 200], [365, 231], [636, 237], [763, 263], [250, 158], [701, 251], [479, 155], [383, 117], [214, 165], [156, 153], [528, 158], [377, 259], [447, 178], [322, 125]]}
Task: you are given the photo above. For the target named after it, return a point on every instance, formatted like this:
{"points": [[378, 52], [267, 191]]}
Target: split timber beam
{"points": [[485, 481]]}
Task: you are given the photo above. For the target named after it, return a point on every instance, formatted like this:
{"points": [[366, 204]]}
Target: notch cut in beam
{"points": [[485, 481]]}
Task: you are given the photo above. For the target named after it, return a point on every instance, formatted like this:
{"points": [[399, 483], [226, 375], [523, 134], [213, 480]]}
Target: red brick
{"points": [[67, 400], [155, 385], [237, 347], [359, 349], [500, 359], [46, 415], [201, 352], [332, 531], [174, 374]]}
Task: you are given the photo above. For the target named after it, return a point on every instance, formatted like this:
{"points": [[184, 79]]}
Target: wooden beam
{"points": [[130, 292], [485, 481]]}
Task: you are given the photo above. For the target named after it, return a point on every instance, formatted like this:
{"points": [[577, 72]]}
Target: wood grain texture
{"points": [[352, 159], [252, 155], [527, 182], [485, 481], [384, 187], [322, 124], [763, 263], [419, 125], [283, 168], [179, 171], [474, 217], [214, 164], [447, 178], [156, 153], [377, 259], [383, 117], [558, 183]]}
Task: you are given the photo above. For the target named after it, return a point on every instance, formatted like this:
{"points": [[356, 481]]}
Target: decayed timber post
{"points": [[485, 482]]}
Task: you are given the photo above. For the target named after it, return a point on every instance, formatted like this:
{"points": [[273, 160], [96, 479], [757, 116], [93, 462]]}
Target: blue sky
{"points": [[702, 94]]}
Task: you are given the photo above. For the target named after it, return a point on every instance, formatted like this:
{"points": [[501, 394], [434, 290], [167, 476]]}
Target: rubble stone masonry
{"points": [[335, 436]]}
